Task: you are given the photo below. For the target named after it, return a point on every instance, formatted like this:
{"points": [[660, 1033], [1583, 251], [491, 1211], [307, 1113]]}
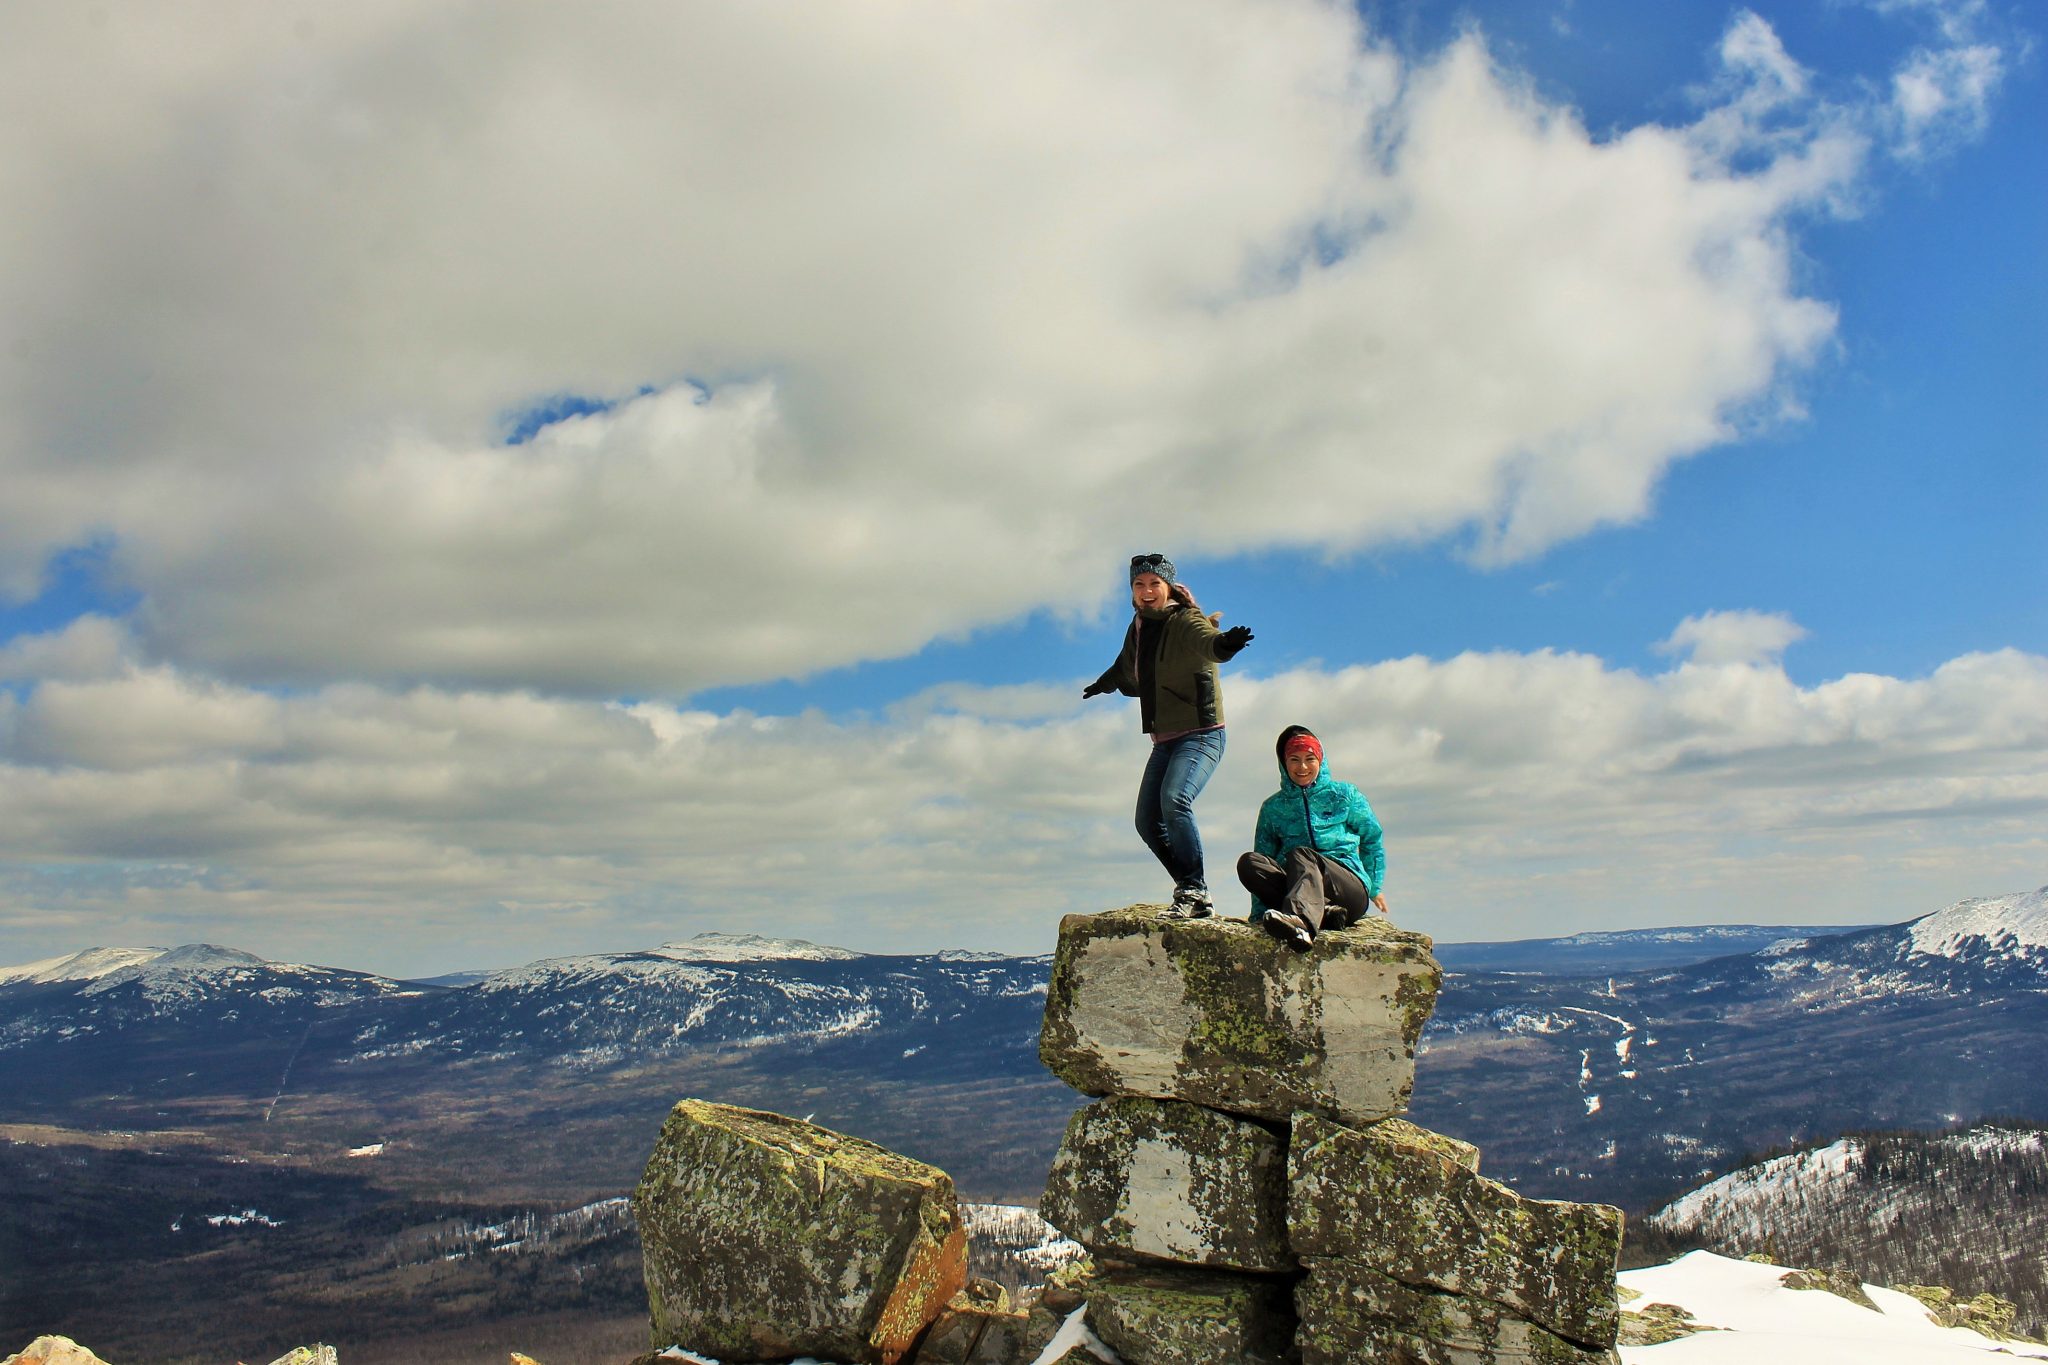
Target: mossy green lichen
{"points": [[763, 1235], [1843, 1284], [1986, 1314], [1656, 1323], [1177, 1317], [1351, 1314], [1422, 1218], [1216, 1013], [1171, 1181]]}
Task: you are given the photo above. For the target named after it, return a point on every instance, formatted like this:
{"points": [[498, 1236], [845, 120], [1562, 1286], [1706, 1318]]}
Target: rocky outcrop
{"points": [[1413, 1214], [767, 1238], [1207, 1038], [53, 1350], [1216, 1013], [1169, 1181]]}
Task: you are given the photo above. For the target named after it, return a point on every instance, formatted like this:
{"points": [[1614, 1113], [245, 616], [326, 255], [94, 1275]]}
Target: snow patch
{"points": [[1764, 1323]]}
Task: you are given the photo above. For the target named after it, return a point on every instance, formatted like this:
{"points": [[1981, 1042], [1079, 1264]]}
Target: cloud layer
{"points": [[1523, 793], [860, 298]]}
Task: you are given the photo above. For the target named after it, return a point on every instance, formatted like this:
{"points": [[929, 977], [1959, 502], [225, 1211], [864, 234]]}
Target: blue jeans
{"points": [[1174, 777]]}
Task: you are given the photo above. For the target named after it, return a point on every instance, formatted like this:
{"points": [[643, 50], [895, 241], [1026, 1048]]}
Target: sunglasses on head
{"points": [[1136, 560]]}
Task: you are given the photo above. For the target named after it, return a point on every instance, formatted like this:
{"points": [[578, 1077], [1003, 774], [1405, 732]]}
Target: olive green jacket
{"points": [[1183, 693]]}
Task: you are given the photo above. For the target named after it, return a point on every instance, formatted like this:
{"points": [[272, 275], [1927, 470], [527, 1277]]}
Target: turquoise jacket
{"points": [[1329, 816]]}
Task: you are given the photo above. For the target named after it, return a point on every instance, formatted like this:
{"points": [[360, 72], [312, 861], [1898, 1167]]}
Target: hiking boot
{"points": [[1287, 930], [1192, 902]]}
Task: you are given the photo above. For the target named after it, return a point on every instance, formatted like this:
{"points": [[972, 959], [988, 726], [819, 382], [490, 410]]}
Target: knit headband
{"points": [[1305, 744], [1152, 563]]}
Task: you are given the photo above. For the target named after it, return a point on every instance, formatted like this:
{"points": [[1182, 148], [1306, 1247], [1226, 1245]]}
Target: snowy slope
{"points": [[1765, 1323], [89, 965], [2012, 927]]}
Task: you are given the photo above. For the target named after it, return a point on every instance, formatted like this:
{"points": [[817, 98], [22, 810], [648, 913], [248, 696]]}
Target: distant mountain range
{"points": [[1628, 1084], [1600, 952]]}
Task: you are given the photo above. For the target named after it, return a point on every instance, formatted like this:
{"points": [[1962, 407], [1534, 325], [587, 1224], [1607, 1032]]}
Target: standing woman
{"points": [[1316, 862], [1168, 663]]}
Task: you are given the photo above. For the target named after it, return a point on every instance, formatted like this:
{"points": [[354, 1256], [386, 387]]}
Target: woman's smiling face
{"points": [[1150, 592], [1303, 765]]}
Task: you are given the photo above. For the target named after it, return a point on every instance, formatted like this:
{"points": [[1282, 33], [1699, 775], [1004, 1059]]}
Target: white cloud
{"points": [[1945, 96], [988, 284], [1733, 637], [1523, 793]]}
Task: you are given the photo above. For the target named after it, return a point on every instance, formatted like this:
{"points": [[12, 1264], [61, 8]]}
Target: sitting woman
{"points": [[1316, 861]]}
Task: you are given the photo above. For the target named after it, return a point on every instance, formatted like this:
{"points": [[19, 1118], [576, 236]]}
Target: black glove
{"points": [[1095, 689], [1232, 640]]}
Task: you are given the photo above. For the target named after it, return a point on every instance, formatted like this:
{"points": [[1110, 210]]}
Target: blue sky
{"points": [[481, 493]]}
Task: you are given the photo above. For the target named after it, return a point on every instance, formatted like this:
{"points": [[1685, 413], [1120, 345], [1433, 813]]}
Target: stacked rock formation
{"points": [[1246, 1184]]}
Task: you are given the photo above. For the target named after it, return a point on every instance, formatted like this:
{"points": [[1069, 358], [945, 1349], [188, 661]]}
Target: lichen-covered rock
{"points": [[1350, 1314], [1166, 1316], [1843, 1284], [1656, 1323], [1987, 1313], [1417, 1215], [53, 1350], [316, 1354], [765, 1238], [1167, 1180], [964, 1334], [1216, 1013]]}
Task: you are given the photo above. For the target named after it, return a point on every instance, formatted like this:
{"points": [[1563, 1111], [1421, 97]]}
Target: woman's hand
{"points": [[1379, 903]]}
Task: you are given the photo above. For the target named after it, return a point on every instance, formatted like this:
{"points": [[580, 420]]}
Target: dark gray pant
{"points": [[1319, 891]]}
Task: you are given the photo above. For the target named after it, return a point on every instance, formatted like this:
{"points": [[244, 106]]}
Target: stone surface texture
{"points": [[1216, 1013], [1419, 1216], [53, 1350], [1171, 1181], [767, 1238], [1164, 1316], [965, 1334], [1350, 1314]]}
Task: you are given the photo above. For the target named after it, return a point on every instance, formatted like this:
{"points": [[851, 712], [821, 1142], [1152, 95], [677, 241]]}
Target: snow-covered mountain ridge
{"points": [[1996, 926]]}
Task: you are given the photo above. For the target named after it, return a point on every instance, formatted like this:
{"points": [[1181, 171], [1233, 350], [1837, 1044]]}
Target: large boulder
{"points": [[766, 1238], [1166, 1316], [1171, 1181], [53, 1350], [1351, 1314], [1416, 1214], [1215, 1012]]}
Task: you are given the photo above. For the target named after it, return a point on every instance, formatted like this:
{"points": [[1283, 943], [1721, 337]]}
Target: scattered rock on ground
{"points": [[1173, 1181], [1843, 1284], [1216, 1013], [1656, 1323], [1986, 1313], [764, 1237]]}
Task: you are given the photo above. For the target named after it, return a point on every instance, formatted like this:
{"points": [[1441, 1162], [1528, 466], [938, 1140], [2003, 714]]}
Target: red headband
{"points": [[1305, 742]]}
